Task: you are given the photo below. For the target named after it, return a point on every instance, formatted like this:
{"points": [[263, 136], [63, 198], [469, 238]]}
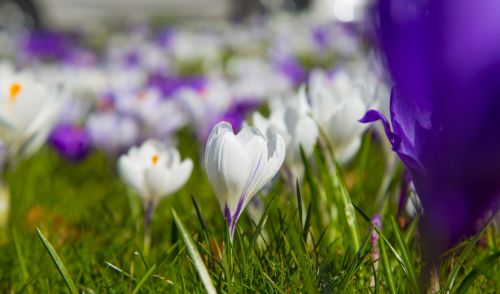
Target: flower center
{"points": [[154, 159], [141, 95], [14, 90]]}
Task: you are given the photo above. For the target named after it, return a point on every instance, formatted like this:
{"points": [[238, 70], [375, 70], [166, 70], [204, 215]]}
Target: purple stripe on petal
{"points": [[231, 222], [238, 209]]}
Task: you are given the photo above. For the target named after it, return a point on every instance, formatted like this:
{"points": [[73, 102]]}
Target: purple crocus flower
{"points": [[290, 67], [47, 45], [132, 59], [169, 85], [444, 57], [70, 141], [237, 112], [165, 37]]}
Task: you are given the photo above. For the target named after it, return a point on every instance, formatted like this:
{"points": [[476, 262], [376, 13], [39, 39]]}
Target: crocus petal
{"points": [[276, 155], [225, 155], [306, 132], [180, 177], [156, 181], [373, 116], [132, 174]]}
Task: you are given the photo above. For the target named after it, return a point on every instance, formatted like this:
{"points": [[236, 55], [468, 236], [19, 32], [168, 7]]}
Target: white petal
{"points": [[276, 155], [218, 130], [344, 127], [260, 122], [156, 181], [132, 174], [347, 153], [178, 176], [255, 147], [306, 134]]}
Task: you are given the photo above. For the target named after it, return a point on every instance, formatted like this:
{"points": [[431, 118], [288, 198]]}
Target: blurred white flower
{"points": [[337, 103], [192, 46], [154, 171], [29, 109], [133, 49], [341, 10], [159, 118], [290, 117], [112, 132], [207, 106], [238, 166], [256, 78], [83, 81]]}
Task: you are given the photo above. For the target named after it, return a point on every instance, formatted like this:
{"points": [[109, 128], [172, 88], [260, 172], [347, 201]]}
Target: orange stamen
{"points": [[154, 159], [142, 95], [14, 90]]}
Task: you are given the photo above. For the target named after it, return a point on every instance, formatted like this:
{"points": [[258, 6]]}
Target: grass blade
{"points": [[262, 222], [344, 198], [58, 262], [463, 256], [144, 279], [195, 256], [313, 185], [302, 261], [387, 268], [202, 221], [482, 267], [299, 202], [383, 238], [404, 254], [355, 263], [20, 255], [307, 224]]}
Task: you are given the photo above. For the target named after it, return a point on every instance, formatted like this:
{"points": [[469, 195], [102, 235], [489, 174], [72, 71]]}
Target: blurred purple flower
{"points": [[169, 85], [165, 37], [132, 59], [112, 133], [291, 68], [238, 111], [444, 57], [70, 142], [47, 45]]}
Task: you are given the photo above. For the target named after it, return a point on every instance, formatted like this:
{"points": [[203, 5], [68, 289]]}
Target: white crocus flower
{"points": [[290, 118], [204, 108], [28, 111], [238, 166], [254, 77], [154, 171], [337, 103]]}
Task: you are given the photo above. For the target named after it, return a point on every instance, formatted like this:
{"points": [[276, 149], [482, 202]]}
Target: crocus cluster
{"points": [[131, 97]]}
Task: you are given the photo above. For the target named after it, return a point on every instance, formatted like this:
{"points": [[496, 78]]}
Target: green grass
{"points": [[317, 240]]}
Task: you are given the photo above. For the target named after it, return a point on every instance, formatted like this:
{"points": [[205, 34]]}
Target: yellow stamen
{"points": [[154, 159], [14, 90]]}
